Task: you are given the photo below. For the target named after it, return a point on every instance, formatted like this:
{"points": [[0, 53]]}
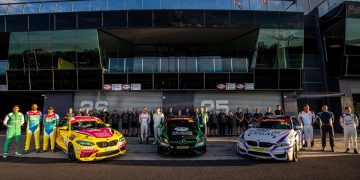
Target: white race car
{"points": [[275, 137]]}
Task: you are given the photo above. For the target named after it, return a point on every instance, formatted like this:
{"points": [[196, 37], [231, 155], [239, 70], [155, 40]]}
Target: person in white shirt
{"points": [[349, 122], [158, 118], [144, 121], [307, 119]]}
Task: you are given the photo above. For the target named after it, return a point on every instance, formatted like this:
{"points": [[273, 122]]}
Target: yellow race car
{"points": [[89, 139]]}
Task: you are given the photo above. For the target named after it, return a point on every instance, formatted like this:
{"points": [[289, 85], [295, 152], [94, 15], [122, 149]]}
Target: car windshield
{"points": [[190, 125], [273, 125], [80, 125]]}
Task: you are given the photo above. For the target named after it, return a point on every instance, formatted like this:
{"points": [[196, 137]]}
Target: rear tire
{"points": [[71, 153]]}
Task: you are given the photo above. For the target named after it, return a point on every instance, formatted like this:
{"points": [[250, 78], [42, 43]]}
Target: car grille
{"points": [[109, 153], [259, 154], [265, 144], [280, 155], [105, 144], [187, 142], [251, 143]]}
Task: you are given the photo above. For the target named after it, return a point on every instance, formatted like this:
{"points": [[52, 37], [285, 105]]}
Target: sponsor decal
{"points": [[230, 86], [249, 86], [240, 86], [116, 87], [126, 87], [98, 133], [181, 129], [264, 132], [182, 133], [220, 87], [135, 87], [107, 87], [4, 88]]}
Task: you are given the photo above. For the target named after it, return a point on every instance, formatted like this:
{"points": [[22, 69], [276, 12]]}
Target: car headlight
{"points": [[286, 143], [85, 143], [201, 139], [241, 138], [164, 140], [121, 138]]}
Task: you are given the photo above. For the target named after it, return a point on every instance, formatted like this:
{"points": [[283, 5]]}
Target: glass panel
{"points": [[39, 22], [64, 6], [4, 45], [18, 49], [352, 36], [170, 4], [98, 5], [167, 18], [90, 79], [65, 21], [116, 4], [205, 64], [3, 9], [16, 23], [40, 55], [222, 65], [133, 4], [191, 81], [64, 49], [31, 8], [87, 47], [146, 80], [18, 80], [151, 64], [226, 4], [81, 6], [47, 7], [212, 79], [116, 65], [152, 4], [216, 18], [187, 64], [242, 18], [89, 20], [166, 81], [187, 4], [4, 66], [205, 4], [15, 9], [290, 79], [2, 24], [240, 65], [65, 80], [115, 19], [193, 18], [41, 80], [266, 78], [140, 19], [169, 64], [266, 19]]}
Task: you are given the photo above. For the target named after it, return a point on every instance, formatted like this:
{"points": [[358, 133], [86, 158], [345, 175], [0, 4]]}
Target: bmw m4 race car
{"points": [[276, 137], [181, 135], [89, 139]]}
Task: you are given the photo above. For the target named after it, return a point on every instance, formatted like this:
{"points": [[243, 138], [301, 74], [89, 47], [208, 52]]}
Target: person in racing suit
{"points": [[50, 121], [144, 121], [349, 122], [307, 119], [203, 119], [158, 118], [13, 121], [33, 121], [326, 120]]}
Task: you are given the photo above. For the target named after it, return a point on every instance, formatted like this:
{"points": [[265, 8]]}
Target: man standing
{"points": [[203, 118], [33, 120], [349, 122], [307, 119], [13, 121], [256, 116], [79, 112], [239, 116], [158, 118], [187, 112], [51, 121], [114, 120], [279, 110], [268, 112], [213, 122], [222, 122], [247, 118], [104, 115], [144, 120], [125, 119], [170, 113], [134, 118], [326, 120]]}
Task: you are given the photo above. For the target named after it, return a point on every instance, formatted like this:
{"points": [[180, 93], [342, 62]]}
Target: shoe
{"points": [[17, 154], [323, 149], [347, 150], [5, 155], [44, 151], [53, 151], [154, 142], [147, 142], [38, 151], [356, 151], [26, 152], [333, 150]]}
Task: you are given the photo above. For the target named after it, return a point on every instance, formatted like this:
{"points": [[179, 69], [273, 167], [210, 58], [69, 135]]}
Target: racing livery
{"points": [[89, 139], [275, 137], [181, 135]]}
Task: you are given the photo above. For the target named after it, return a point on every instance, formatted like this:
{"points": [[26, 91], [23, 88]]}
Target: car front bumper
{"points": [[176, 149], [97, 154], [276, 153]]}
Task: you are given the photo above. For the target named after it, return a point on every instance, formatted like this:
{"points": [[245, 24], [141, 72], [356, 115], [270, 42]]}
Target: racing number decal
{"points": [[217, 104]]}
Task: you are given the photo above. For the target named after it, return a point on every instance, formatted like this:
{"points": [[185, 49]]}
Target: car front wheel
{"points": [[71, 153]]}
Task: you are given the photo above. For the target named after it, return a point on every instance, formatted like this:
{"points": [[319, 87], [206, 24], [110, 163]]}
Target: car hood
{"points": [[266, 135], [181, 133], [97, 133]]}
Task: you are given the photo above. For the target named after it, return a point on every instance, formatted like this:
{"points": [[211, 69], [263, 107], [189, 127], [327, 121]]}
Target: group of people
{"points": [[33, 118], [325, 119]]}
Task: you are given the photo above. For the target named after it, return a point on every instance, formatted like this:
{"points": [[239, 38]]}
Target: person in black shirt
{"points": [[230, 123], [104, 116], [95, 113], [268, 112], [170, 113], [125, 119], [134, 118], [256, 116], [114, 120], [195, 115], [187, 112], [279, 110], [222, 122], [213, 119], [239, 116], [79, 112], [247, 118], [326, 119]]}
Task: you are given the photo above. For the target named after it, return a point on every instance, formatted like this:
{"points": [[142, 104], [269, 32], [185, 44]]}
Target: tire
{"points": [[71, 153], [295, 157]]}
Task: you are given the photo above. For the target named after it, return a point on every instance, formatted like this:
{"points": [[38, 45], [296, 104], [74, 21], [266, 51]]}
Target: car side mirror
{"points": [[64, 128], [298, 128]]}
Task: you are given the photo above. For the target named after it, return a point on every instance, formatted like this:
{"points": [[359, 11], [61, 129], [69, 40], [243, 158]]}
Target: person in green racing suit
{"points": [[13, 121]]}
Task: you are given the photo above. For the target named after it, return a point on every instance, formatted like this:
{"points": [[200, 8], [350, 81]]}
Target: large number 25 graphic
{"points": [[217, 104]]}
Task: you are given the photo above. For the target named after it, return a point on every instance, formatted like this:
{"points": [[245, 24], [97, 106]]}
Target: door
{"points": [[62, 134]]}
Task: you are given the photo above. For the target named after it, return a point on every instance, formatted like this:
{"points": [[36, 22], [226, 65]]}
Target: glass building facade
{"points": [[162, 44]]}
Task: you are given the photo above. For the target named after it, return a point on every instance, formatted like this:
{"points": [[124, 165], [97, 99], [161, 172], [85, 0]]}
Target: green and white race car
{"points": [[181, 135]]}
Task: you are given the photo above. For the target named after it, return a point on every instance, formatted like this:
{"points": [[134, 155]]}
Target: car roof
{"points": [[179, 119], [82, 118]]}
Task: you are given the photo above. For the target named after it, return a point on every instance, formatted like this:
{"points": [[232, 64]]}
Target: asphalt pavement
{"points": [[219, 162]]}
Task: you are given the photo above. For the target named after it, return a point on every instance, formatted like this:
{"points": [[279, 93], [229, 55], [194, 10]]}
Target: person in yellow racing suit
{"points": [[33, 120], [51, 121]]}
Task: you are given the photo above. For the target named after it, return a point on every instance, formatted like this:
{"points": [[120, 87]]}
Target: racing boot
{"points": [[5, 155], [332, 149], [356, 151], [38, 151], [347, 150], [17, 154]]}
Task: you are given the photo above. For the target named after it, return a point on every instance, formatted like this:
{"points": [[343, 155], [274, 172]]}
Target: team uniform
{"points": [[33, 120], [13, 122], [144, 120], [50, 124], [158, 120], [349, 122], [202, 121], [308, 119], [327, 119]]}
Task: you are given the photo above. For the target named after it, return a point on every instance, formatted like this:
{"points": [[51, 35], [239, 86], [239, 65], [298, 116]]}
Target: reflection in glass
{"points": [[64, 6], [47, 7], [151, 4], [170, 4], [205, 64], [187, 64]]}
